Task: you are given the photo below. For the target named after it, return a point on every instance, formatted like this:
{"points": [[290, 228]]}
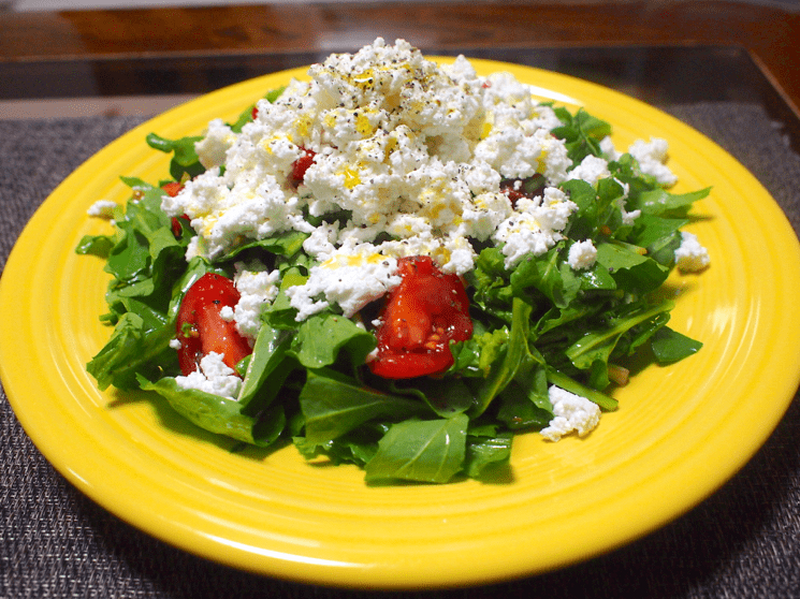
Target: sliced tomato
{"points": [[172, 188], [300, 166], [420, 318], [516, 189], [202, 330]]}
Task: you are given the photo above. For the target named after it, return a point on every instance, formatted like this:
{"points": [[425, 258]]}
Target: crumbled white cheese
{"points": [[591, 169], [608, 149], [214, 377], [582, 255], [572, 413], [257, 287], [102, 209], [535, 226], [651, 157], [691, 256], [217, 140], [350, 278], [412, 153], [175, 344]]}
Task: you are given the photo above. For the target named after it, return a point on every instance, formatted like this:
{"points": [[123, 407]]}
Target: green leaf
{"points": [[632, 270], [525, 403], [581, 132], [184, 160], [266, 369], [661, 236], [281, 314], [567, 383], [550, 274], [594, 348], [284, 244], [515, 358], [445, 396], [322, 337], [484, 452], [661, 202], [670, 346], [420, 450], [333, 405], [217, 414], [131, 351], [95, 245]]}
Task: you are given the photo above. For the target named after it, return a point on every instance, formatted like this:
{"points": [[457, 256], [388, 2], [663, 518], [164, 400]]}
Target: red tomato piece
{"points": [[300, 166], [420, 318], [176, 226], [172, 188], [516, 189], [200, 327]]}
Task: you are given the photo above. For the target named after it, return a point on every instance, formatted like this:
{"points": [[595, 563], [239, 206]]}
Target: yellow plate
{"points": [[679, 434]]}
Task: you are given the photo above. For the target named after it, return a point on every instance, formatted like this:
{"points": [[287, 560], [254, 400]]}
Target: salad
{"points": [[396, 264]]}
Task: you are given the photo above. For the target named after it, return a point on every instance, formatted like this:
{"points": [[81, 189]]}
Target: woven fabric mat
{"points": [[744, 541]]}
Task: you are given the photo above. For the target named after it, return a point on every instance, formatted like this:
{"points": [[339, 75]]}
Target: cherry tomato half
{"points": [[200, 327], [300, 166], [421, 316], [173, 188]]}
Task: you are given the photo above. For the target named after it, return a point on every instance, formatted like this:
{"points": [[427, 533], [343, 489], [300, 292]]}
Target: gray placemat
{"points": [[744, 541]]}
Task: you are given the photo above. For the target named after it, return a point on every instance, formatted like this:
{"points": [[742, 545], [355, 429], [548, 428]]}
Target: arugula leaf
{"points": [[218, 414], [516, 359], [485, 451], [581, 132], [661, 202], [594, 347], [333, 405], [631, 268], [321, 337], [550, 274], [445, 396], [567, 383], [420, 450], [493, 292], [280, 314], [266, 369], [133, 350], [356, 447], [95, 245], [184, 160], [285, 244], [670, 346]]}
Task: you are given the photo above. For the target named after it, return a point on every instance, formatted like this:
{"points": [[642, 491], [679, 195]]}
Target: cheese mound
{"points": [[408, 159]]}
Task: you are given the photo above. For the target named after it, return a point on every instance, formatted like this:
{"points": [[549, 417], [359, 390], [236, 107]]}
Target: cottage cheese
{"points": [[214, 377], [582, 255], [691, 256], [651, 157], [591, 169], [573, 413], [535, 226], [351, 278], [102, 209], [412, 153], [258, 287]]}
